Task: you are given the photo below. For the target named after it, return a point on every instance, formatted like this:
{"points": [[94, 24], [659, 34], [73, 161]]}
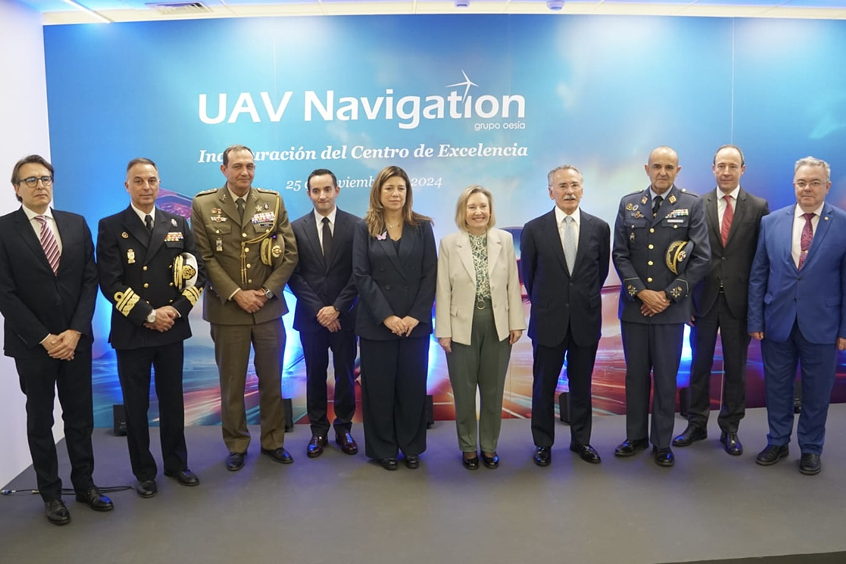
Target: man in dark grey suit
{"points": [[733, 217], [48, 285], [325, 312], [564, 258]]}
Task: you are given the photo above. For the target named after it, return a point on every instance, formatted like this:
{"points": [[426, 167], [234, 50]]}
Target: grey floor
{"points": [[343, 509]]}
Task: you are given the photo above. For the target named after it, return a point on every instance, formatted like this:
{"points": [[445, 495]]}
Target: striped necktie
{"points": [[48, 243]]}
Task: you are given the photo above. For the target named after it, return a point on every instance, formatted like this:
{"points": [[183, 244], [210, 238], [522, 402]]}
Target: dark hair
{"points": [[231, 148], [27, 160], [321, 172], [735, 147], [141, 160]]}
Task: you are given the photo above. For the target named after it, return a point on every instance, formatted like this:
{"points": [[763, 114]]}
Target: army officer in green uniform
{"points": [[246, 242]]}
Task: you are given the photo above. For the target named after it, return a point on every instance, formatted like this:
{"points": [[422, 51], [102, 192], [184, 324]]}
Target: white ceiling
{"points": [[62, 12]]}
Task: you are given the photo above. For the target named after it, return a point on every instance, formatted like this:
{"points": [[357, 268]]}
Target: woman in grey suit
{"points": [[394, 265], [478, 316]]}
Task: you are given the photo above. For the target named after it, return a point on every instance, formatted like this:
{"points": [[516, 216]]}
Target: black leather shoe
{"points": [[279, 455], [772, 454], [95, 500], [56, 511], [586, 452], [147, 488], [810, 464], [315, 446], [543, 456], [663, 456], [412, 462], [235, 461], [731, 443], [690, 436], [630, 448], [470, 463], [491, 462], [388, 463], [347, 443], [184, 477]]}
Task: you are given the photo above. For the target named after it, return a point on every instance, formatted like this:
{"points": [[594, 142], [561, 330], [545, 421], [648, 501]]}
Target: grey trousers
{"points": [[482, 364]]}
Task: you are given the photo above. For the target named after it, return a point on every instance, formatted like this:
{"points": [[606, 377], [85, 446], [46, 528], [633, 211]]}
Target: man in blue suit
{"points": [[326, 306], [797, 309]]}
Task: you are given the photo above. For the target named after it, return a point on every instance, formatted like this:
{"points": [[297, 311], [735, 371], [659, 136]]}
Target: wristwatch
{"points": [[151, 317], [268, 294]]}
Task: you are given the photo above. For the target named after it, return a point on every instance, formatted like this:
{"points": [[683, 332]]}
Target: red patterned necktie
{"points": [[807, 238], [728, 216], [48, 243]]}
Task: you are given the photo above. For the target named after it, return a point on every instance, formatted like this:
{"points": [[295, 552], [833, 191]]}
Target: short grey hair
{"points": [[563, 167], [813, 161]]}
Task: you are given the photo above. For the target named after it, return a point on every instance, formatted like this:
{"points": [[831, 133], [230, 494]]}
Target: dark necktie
{"points": [[728, 217], [327, 240], [148, 222], [806, 239], [240, 203], [48, 243], [656, 203]]}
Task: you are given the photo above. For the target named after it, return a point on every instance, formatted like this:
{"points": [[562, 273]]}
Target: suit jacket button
{"points": [[649, 279], [144, 267], [146, 285]]}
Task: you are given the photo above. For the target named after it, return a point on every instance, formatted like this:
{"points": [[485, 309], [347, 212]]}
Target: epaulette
{"points": [[633, 193], [207, 192], [684, 191], [266, 191]]}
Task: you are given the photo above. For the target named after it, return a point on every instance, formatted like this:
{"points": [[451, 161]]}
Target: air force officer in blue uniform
{"points": [[797, 309], [661, 250]]}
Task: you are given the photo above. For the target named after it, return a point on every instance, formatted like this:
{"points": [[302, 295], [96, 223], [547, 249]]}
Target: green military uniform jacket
{"points": [[257, 252]]}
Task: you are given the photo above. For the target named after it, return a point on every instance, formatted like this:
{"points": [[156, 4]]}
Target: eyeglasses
{"points": [[802, 184], [32, 181]]}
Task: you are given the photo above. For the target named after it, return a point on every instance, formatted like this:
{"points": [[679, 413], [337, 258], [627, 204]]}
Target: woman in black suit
{"points": [[394, 264]]}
